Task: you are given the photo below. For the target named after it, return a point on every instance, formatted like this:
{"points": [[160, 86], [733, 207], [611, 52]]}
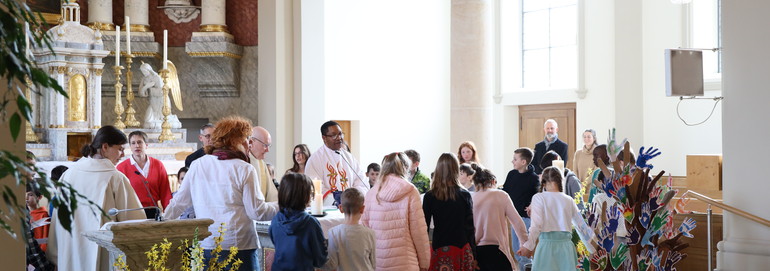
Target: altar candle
{"points": [[559, 164], [26, 38], [117, 45], [165, 49], [318, 205], [317, 186], [128, 35]]}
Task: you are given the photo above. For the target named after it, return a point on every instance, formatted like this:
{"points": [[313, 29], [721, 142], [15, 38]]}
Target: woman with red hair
{"points": [[467, 153], [221, 186]]}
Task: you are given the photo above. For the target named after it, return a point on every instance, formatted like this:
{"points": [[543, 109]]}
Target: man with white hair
{"points": [[550, 143], [259, 144]]}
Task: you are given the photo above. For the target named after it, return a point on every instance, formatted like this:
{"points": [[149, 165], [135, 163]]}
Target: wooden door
{"points": [[532, 118], [346, 128]]}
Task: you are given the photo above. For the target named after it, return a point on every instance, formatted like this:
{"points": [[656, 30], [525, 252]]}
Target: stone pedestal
{"points": [[134, 238], [217, 57]]}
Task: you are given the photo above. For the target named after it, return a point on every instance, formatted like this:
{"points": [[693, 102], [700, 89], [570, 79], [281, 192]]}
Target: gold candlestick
{"points": [[165, 134], [130, 118], [31, 136], [118, 102]]}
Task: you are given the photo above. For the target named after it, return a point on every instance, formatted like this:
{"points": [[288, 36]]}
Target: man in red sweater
{"points": [[148, 176]]}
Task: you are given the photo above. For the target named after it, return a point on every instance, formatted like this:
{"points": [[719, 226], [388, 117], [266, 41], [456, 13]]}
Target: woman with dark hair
{"points": [[492, 211], [221, 186], [450, 206], [467, 153], [148, 176], [300, 156], [95, 177]]}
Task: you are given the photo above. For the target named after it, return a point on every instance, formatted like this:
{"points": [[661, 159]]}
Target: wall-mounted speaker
{"points": [[684, 72]]}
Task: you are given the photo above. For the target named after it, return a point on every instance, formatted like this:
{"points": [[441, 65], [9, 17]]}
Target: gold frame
{"points": [[51, 18]]}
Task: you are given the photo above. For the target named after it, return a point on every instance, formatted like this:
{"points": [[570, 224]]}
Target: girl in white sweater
{"points": [[553, 214]]}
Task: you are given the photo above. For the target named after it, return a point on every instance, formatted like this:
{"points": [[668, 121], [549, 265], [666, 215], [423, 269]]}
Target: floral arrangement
{"points": [[192, 255], [649, 240]]}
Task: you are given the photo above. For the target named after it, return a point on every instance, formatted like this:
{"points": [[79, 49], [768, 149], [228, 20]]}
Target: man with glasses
{"points": [[205, 138], [334, 165], [259, 144]]}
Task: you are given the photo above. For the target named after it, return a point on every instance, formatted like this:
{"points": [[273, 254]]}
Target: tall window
{"points": [[549, 44], [704, 27]]}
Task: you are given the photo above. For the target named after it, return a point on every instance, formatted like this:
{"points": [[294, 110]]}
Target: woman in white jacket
{"points": [[95, 177]]}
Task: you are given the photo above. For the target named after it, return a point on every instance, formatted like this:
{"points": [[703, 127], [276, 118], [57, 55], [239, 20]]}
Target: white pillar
{"points": [[746, 244], [471, 76], [140, 18], [100, 11], [213, 16]]}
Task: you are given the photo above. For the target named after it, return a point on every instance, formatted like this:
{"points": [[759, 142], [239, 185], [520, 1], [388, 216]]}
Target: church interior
{"points": [[425, 75]]}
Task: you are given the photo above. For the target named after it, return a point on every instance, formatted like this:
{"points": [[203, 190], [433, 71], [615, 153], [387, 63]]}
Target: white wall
{"points": [[387, 65], [662, 29], [746, 244]]}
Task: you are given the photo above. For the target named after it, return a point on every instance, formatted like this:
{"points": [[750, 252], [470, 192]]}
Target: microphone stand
{"points": [[115, 211], [351, 167], [158, 215]]}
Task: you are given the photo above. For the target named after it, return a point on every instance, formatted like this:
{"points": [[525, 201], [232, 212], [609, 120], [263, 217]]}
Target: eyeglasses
{"points": [[263, 143], [340, 135]]}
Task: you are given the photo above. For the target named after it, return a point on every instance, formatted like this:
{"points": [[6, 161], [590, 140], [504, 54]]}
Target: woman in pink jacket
{"points": [[394, 211]]}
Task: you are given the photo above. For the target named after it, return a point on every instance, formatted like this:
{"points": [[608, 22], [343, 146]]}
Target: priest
{"points": [[334, 165]]}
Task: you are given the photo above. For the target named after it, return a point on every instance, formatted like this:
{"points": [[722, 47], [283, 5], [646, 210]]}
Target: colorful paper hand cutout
{"points": [[646, 156]]}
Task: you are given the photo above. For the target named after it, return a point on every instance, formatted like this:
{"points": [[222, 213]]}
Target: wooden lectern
{"points": [[134, 238]]}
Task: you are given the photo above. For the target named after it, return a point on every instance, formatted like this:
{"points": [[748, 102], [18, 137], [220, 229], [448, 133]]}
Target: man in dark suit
{"points": [[550, 143], [205, 138]]}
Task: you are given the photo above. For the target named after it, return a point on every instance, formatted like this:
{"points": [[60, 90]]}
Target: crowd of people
{"points": [[390, 209]]}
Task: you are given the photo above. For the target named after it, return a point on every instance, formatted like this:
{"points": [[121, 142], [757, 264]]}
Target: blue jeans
{"points": [[515, 245], [248, 256]]}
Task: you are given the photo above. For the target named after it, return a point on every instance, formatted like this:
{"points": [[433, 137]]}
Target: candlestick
{"points": [[128, 41], [130, 111], [118, 102], [317, 186], [165, 49], [317, 207], [117, 45], [165, 134]]}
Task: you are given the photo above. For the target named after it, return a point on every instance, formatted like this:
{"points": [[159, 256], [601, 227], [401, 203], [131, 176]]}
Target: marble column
{"points": [[213, 16], [140, 18], [61, 105], [96, 99], [100, 11], [471, 75]]}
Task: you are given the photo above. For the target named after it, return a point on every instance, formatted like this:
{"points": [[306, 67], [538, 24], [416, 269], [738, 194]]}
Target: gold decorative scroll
{"points": [[77, 99]]}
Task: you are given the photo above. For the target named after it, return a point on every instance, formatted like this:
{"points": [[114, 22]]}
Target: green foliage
{"points": [[20, 72]]}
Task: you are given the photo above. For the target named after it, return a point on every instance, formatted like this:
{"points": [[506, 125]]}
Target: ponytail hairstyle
{"points": [[106, 135], [551, 174], [483, 178], [445, 182], [393, 164]]}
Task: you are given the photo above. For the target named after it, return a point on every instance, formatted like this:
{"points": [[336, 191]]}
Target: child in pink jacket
{"points": [[394, 212]]}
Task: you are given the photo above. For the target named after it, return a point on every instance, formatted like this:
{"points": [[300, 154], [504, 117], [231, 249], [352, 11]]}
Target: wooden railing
{"points": [[727, 207]]}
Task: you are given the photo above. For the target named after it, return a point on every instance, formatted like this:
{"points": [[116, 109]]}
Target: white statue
{"points": [[152, 84]]}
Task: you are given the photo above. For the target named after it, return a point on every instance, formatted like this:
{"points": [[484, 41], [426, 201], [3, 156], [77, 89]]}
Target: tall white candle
{"points": [[117, 45], [26, 38], [165, 49], [317, 207], [317, 186], [128, 35]]}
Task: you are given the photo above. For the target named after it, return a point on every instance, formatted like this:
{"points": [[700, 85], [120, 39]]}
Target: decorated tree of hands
{"points": [[642, 204]]}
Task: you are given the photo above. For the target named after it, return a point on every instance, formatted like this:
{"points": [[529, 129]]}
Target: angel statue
{"points": [[152, 84]]}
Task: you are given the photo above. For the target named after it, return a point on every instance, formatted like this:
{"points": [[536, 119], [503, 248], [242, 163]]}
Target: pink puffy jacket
{"points": [[399, 225]]}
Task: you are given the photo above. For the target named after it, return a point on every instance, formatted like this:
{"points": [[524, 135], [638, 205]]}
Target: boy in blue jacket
{"points": [[298, 237]]}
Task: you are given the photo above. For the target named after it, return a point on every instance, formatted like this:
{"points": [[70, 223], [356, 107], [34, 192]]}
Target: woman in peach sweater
{"points": [[492, 210], [394, 211]]}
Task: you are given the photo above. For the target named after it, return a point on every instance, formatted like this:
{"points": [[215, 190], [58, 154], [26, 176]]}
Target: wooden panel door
{"points": [[346, 126], [532, 118]]}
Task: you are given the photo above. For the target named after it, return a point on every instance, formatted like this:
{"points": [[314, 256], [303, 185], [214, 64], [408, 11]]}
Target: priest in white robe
{"points": [[95, 177], [334, 165]]}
